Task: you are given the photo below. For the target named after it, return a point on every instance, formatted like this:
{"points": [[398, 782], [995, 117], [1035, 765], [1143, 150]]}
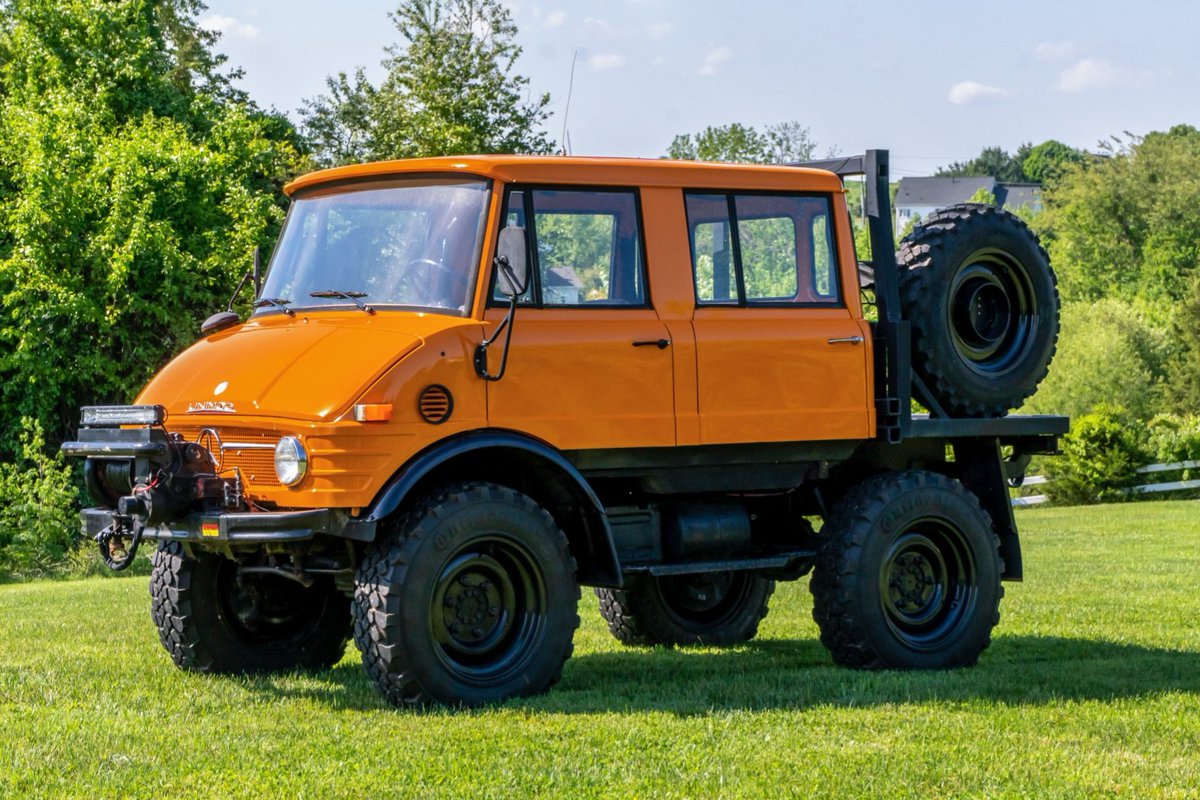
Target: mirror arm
{"points": [[237, 291], [257, 272], [481, 350]]}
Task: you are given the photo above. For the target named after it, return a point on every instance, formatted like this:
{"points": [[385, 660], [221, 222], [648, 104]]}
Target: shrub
{"points": [[38, 501], [1174, 438], [1099, 460]]}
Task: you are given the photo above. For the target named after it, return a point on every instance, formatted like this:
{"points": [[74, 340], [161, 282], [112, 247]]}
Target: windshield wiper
{"points": [[275, 302], [351, 296]]}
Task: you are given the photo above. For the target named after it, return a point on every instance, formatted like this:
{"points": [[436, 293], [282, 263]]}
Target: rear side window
{"points": [[762, 249], [586, 246]]}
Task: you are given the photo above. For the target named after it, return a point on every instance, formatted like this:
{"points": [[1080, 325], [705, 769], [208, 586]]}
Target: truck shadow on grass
{"points": [[798, 674]]}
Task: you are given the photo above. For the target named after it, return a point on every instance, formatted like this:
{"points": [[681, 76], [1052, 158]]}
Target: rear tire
{"points": [[210, 620], [721, 608], [982, 300], [907, 575], [469, 598]]}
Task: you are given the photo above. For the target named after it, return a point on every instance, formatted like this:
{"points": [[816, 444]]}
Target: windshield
{"points": [[412, 243]]}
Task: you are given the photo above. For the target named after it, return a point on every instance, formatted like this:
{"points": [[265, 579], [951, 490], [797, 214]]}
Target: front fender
{"points": [[529, 465]]}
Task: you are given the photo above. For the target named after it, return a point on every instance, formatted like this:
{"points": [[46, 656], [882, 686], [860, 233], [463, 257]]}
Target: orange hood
{"points": [[304, 368]]}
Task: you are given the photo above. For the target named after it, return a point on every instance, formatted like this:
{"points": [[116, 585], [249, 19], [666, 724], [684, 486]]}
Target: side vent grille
{"points": [[436, 404]]}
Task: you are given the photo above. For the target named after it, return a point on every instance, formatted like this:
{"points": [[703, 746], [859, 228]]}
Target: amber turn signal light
{"points": [[373, 412]]}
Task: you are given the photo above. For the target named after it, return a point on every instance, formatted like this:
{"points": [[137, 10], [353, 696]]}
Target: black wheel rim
{"points": [[265, 608], [699, 602], [488, 611], [992, 313], [928, 587]]}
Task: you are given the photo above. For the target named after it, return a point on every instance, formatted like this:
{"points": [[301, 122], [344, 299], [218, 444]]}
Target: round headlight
{"points": [[291, 462]]}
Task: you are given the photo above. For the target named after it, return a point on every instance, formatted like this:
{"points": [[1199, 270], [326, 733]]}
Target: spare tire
{"points": [[977, 289]]}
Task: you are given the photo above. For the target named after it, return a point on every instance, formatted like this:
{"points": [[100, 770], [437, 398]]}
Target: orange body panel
{"points": [[583, 385], [574, 378]]}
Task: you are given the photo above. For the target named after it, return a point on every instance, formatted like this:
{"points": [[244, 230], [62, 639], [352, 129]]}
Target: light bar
{"points": [[111, 416]]}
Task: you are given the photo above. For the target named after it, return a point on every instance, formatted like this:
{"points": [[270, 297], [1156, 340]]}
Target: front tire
{"points": [[720, 608], [210, 619], [907, 575], [469, 598]]}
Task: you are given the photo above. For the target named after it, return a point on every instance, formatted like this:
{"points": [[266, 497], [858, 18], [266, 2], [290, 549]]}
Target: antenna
{"points": [[567, 112]]}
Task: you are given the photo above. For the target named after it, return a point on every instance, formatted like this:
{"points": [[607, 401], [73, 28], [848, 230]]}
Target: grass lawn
{"points": [[1091, 688]]}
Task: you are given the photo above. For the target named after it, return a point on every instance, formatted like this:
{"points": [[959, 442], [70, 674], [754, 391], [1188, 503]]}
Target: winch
{"points": [[146, 475]]}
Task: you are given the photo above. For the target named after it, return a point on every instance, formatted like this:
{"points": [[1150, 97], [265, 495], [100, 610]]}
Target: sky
{"points": [[932, 82]]}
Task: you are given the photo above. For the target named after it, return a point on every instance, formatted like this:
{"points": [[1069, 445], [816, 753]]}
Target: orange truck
{"points": [[470, 385]]}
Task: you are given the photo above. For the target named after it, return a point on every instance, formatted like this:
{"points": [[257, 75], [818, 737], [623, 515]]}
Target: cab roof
{"points": [[586, 171]]}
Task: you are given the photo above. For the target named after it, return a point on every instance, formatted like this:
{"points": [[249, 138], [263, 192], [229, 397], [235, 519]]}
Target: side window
{"points": [[825, 283], [762, 249], [712, 248], [587, 246], [768, 256]]}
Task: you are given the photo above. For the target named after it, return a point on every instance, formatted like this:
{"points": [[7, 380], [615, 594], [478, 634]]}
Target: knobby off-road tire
{"points": [[719, 608], [209, 620], [982, 300], [907, 575], [469, 597]]}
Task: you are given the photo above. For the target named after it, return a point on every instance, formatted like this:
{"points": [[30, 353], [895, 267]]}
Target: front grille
{"points": [[251, 450]]}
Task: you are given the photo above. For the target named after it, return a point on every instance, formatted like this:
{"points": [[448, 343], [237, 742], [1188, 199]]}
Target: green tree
{"points": [[779, 143], [983, 195], [133, 185], [1109, 351], [1049, 160], [995, 162], [339, 126], [1183, 383], [450, 89], [1128, 225]]}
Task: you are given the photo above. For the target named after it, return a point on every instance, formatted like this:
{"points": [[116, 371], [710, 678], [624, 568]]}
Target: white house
{"points": [[920, 197]]}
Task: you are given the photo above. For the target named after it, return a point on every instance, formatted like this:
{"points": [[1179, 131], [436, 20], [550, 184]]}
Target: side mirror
{"points": [[513, 269], [219, 322]]}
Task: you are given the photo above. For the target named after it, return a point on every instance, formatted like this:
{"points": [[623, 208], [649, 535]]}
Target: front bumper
{"points": [[258, 527]]}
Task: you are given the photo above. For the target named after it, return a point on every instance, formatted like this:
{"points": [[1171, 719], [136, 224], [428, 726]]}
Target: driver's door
{"points": [[590, 362]]}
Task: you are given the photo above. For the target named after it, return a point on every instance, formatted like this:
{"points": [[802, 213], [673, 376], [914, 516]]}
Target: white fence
{"points": [[1149, 469]]}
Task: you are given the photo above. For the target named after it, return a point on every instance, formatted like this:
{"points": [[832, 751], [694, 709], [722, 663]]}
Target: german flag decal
{"points": [[210, 529]]}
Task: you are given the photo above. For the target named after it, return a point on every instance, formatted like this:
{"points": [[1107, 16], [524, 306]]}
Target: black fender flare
{"points": [[591, 541]]}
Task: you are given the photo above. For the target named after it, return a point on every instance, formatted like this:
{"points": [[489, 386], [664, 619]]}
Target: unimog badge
{"points": [[211, 407]]}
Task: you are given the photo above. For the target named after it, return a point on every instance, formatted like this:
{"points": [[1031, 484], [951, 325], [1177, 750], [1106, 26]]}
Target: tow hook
{"points": [[115, 551]]}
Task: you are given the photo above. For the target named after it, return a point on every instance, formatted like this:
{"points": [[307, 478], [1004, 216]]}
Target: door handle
{"points": [[661, 344], [846, 340]]}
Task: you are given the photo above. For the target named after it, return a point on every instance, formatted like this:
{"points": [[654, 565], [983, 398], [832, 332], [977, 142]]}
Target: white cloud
{"points": [[603, 61], [229, 26], [965, 92], [659, 29], [716, 57], [555, 19], [1100, 73], [1054, 51], [600, 27]]}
